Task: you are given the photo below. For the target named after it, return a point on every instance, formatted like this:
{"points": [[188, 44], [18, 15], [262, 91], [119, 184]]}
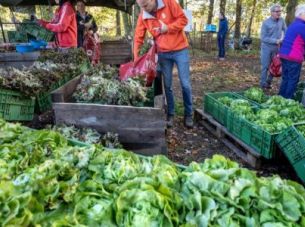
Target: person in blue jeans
{"points": [[292, 54], [221, 36], [165, 21], [182, 60]]}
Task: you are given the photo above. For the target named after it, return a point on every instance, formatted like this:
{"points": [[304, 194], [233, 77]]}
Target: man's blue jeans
{"points": [[221, 45], [182, 60], [291, 72]]}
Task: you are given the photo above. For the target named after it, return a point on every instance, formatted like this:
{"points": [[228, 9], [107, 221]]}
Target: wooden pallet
{"points": [[241, 149]]}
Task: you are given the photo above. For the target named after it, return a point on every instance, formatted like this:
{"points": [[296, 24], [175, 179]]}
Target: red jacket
{"points": [[171, 14], [64, 25]]}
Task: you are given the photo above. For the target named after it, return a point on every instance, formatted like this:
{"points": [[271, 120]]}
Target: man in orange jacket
{"points": [[165, 21]]}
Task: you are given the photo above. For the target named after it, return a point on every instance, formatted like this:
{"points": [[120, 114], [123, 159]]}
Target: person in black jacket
{"points": [[85, 22], [221, 35]]}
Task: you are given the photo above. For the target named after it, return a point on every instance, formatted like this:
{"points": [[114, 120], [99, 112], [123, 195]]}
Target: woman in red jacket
{"points": [[63, 24]]}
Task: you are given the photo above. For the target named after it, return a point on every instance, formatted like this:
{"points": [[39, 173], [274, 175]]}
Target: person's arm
{"points": [[284, 26], [94, 26], [180, 18], [80, 26], [139, 36], [64, 21], [264, 35]]}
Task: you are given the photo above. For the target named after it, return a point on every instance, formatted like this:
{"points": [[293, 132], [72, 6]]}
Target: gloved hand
{"points": [[33, 18]]}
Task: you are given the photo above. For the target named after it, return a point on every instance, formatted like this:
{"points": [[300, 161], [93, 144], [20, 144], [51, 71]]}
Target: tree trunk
{"points": [[290, 10], [136, 12], [248, 32], [211, 9], [237, 23], [118, 23], [222, 6], [127, 25], [181, 2]]}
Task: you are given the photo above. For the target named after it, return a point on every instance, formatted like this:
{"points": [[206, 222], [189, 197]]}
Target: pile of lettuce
{"points": [[256, 94], [275, 115], [38, 78], [88, 135], [46, 182], [102, 85]]}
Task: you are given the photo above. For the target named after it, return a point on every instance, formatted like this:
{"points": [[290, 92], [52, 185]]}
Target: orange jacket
{"points": [[64, 25], [171, 14]]}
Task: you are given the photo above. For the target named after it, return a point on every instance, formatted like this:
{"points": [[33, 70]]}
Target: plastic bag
{"points": [[275, 67], [145, 66], [92, 48]]}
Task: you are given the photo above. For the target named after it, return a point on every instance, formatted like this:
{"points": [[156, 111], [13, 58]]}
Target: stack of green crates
{"points": [[17, 37], [215, 108], [15, 107], [36, 31], [254, 136], [292, 143], [251, 134]]}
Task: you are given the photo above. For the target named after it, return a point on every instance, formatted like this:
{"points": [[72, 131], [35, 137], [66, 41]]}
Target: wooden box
{"points": [[140, 129]]}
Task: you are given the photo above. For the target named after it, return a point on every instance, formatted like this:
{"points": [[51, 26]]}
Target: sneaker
{"points": [[267, 87], [170, 121], [188, 122], [221, 59]]}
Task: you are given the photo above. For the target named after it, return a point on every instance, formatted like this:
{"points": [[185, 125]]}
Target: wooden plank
{"points": [[133, 124], [241, 149], [18, 65], [19, 57], [64, 93]]}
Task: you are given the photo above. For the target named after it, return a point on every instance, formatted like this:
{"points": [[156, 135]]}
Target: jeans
{"points": [[182, 60], [291, 72], [266, 56], [221, 46]]}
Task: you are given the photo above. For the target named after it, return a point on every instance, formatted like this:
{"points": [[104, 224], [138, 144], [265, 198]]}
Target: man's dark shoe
{"points": [[170, 121], [267, 86], [188, 122]]}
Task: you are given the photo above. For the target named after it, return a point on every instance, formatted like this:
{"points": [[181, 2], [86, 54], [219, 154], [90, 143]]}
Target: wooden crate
{"points": [[140, 129], [18, 60], [115, 52]]}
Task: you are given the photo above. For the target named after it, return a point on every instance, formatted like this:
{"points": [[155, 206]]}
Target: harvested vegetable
{"points": [[103, 86], [256, 94]]}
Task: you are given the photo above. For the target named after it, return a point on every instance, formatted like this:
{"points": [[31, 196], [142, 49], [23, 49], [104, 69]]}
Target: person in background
{"points": [[272, 33], [63, 24], [221, 35], [165, 21], [85, 22], [292, 54]]}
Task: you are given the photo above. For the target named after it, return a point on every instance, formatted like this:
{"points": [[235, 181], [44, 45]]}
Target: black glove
{"points": [[33, 18]]}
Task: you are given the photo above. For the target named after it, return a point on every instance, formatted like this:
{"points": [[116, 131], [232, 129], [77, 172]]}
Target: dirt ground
{"points": [[210, 75]]}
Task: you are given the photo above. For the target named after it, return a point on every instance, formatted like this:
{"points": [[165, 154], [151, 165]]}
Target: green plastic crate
{"points": [[77, 143], [44, 100], [253, 135], [292, 143], [217, 109], [16, 37], [14, 107], [36, 31]]}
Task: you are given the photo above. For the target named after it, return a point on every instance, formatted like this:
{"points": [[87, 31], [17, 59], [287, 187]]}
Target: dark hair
{"points": [[82, 1], [222, 14]]}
